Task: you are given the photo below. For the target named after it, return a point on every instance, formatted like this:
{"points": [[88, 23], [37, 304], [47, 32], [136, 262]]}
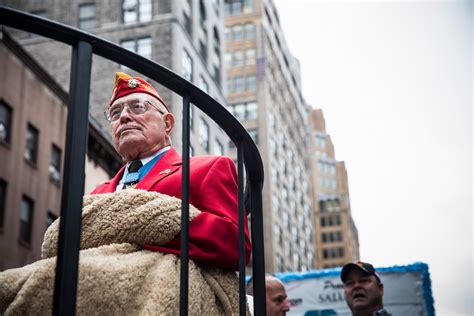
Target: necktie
{"points": [[132, 176]]}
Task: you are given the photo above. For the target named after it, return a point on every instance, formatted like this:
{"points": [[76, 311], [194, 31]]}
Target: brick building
{"points": [[33, 115]]}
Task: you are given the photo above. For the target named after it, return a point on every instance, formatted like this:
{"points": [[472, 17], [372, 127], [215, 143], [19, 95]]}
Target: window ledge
{"points": [[24, 244], [5, 144], [31, 164]]}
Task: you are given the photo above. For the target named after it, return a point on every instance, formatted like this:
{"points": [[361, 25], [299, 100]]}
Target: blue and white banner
{"points": [[407, 291]]}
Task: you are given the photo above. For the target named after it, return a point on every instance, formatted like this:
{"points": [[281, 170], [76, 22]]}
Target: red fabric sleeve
{"points": [[214, 233]]}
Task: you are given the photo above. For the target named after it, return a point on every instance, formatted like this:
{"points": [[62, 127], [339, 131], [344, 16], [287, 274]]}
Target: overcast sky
{"points": [[394, 80]]}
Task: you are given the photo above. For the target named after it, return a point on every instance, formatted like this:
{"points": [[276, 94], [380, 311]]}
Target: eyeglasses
{"points": [[136, 107]]}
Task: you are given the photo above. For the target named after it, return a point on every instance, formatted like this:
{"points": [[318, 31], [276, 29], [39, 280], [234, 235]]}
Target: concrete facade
{"points": [[264, 92], [31, 168], [335, 234]]}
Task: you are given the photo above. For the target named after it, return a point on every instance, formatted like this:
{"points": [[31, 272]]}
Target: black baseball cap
{"points": [[362, 266]]}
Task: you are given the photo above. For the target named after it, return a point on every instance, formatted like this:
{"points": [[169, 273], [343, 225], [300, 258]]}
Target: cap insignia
{"points": [[133, 83]]}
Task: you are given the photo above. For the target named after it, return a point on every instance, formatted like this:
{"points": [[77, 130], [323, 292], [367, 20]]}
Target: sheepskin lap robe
{"points": [[115, 275]]}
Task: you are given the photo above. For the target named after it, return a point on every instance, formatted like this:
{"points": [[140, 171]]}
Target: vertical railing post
{"points": [[257, 248], [185, 212], [242, 219], [65, 285]]}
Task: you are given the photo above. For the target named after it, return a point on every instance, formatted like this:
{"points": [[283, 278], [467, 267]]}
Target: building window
{"points": [[286, 221], [228, 34], [238, 84], [191, 116], [325, 253], [250, 58], [254, 135], [216, 74], [251, 83], [230, 85], [50, 218], [26, 219], [251, 111], [187, 66], [217, 42], [284, 194], [340, 252], [323, 221], [203, 50], [31, 149], [202, 15], [55, 164], [5, 122], [249, 30], [277, 233], [204, 134], [236, 7], [215, 3], [218, 148], [324, 237], [245, 111], [228, 59], [238, 59], [141, 46], [3, 200], [238, 110], [237, 32], [187, 23], [136, 11], [87, 15], [202, 83]]}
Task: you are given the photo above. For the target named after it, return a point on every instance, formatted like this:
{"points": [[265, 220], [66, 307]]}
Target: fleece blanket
{"points": [[116, 276]]}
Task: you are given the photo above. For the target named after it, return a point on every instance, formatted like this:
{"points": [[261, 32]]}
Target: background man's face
{"points": [[276, 297], [363, 292], [137, 136]]}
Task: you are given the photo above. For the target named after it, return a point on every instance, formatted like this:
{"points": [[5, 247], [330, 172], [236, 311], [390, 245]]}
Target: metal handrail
{"points": [[84, 45]]}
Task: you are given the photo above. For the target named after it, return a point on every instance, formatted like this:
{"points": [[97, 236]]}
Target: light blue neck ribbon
{"points": [[147, 167]]}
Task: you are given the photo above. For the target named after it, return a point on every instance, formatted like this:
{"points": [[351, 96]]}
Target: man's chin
{"points": [[359, 303], [128, 148]]}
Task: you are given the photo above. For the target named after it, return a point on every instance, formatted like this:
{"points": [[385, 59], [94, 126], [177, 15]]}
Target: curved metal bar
{"points": [[232, 127]]}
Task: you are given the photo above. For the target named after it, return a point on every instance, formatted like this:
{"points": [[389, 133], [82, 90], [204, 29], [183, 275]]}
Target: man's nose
{"points": [[125, 114], [286, 306], [357, 285]]}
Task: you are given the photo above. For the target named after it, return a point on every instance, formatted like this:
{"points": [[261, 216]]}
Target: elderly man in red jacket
{"points": [[141, 124]]}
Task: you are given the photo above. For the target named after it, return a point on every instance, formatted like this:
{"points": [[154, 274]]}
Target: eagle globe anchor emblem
{"points": [[133, 83]]}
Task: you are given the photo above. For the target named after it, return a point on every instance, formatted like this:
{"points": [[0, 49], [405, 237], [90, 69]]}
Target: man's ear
{"points": [[169, 122]]}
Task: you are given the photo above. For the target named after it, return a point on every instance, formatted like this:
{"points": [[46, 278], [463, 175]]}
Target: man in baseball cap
{"points": [[363, 289]]}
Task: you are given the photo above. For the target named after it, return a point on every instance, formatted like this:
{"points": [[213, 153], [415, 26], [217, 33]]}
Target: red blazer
{"points": [[213, 234]]}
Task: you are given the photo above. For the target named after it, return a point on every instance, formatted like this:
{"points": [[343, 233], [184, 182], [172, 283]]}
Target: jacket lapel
{"points": [[166, 166]]}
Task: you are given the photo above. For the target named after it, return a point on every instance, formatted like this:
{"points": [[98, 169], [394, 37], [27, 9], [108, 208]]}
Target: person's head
{"points": [[276, 298], [363, 289], [139, 119]]}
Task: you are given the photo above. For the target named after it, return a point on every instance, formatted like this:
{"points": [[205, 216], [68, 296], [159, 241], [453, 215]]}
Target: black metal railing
{"points": [[84, 45]]}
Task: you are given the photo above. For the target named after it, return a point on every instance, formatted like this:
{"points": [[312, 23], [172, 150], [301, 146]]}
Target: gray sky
{"points": [[394, 80]]}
